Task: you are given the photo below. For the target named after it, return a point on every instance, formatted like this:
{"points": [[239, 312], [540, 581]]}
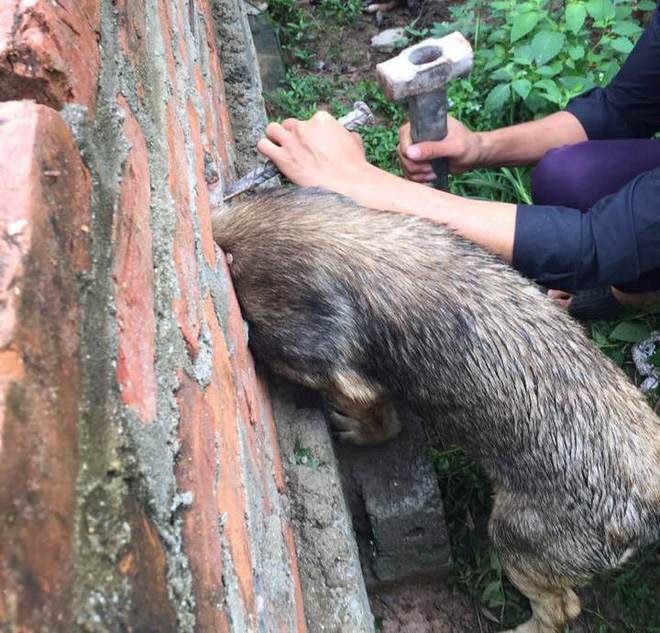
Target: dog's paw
{"points": [[347, 429], [353, 431]]}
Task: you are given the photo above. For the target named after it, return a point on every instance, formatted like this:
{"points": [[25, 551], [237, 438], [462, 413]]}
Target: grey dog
{"points": [[375, 309]]}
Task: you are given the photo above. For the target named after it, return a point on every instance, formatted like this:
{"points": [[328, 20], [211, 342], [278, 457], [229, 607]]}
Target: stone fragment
{"points": [[390, 39]]}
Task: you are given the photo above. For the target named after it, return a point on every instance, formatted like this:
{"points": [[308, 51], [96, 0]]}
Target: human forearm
{"points": [[321, 153], [489, 224], [527, 143], [522, 144]]}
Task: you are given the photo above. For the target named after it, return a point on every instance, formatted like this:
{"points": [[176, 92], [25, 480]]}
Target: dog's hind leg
{"points": [[538, 568], [363, 413], [553, 607]]}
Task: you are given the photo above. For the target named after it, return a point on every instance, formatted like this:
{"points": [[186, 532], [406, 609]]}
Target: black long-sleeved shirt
{"points": [[617, 239]]}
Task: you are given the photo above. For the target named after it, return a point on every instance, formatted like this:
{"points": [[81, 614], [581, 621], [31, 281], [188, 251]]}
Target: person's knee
{"points": [[558, 178]]}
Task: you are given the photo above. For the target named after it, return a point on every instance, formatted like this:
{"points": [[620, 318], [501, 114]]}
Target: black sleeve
{"points": [[614, 242], [629, 106]]}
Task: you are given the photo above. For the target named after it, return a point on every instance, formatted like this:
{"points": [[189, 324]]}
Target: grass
{"points": [[628, 600]]}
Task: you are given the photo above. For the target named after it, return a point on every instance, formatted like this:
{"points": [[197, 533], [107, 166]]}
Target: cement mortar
{"points": [[119, 454], [242, 80], [334, 593], [101, 599]]}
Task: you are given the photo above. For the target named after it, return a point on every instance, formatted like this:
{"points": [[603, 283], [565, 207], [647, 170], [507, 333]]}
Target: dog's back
{"points": [[376, 308]]}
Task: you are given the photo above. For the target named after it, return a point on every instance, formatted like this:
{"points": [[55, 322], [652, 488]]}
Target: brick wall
{"points": [[141, 487]]}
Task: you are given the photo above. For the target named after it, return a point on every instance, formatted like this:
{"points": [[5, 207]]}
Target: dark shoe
{"points": [[598, 303]]}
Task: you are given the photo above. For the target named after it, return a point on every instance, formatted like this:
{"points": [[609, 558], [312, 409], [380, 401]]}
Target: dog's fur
{"points": [[375, 309]]}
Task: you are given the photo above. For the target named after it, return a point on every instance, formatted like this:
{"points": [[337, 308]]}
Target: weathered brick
{"points": [[49, 51], [165, 20], [187, 305], [198, 471], [230, 493], [133, 274], [143, 565], [132, 37], [44, 219], [203, 206], [254, 405]]}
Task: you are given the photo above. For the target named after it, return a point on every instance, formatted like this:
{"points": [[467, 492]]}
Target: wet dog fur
{"points": [[375, 309]]}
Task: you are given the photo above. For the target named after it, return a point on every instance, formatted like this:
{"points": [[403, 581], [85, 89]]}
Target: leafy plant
{"points": [[344, 11], [533, 57], [303, 456]]}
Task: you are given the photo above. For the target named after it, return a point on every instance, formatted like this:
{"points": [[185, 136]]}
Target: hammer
{"points": [[420, 73]]}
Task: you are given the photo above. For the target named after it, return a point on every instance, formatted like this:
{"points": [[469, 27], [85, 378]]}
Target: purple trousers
{"points": [[578, 176]]}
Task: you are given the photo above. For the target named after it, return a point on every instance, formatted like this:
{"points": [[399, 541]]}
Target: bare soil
{"points": [[425, 608], [347, 51]]}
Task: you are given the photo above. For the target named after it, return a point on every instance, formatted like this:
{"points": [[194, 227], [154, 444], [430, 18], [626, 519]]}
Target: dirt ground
{"points": [[425, 608], [349, 52]]}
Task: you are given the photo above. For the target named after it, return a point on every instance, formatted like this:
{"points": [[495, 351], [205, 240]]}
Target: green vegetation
{"points": [[303, 456], [530, 59]]}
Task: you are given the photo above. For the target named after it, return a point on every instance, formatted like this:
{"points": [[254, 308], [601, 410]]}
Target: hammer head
{"points": [[425, 66]]}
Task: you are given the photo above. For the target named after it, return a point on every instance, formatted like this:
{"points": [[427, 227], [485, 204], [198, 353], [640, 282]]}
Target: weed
{"points": [[303, 456], [343, 11], [533, 57]]}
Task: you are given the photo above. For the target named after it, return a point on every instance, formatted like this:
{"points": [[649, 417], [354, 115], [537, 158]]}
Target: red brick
{"points": [[165, 21], [44, 216], [230, 494], [180, 29], [196, 470], [143, 565], [132, 38], [133, 274], [187, 305], [203, 206], [240, 387], [298, 597], [205, 97], [250, 393], [223, 133], [49, 51]]}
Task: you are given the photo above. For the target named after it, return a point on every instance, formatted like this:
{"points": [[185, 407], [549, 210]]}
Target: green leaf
{"points": [[576, 52], [608, 71], [572, 84], [627, 28], [549, 71], [546, 46], [575, 16], [646, 5], [522, 87], [601, 10], [502, 75], [492, 594], [497, 97], [630, 332], [623, 12], [599, 338], [622, 44], [523, 24], [552, 92], [523, 55]]}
